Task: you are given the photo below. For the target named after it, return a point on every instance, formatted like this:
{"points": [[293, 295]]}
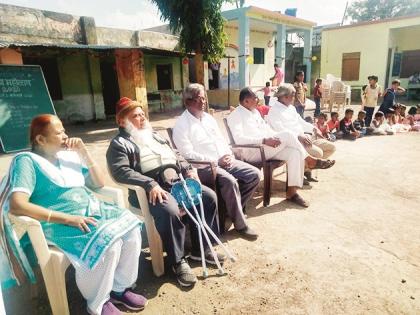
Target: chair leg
{"points": [[54, 274], [268, 177], [155, 246]]}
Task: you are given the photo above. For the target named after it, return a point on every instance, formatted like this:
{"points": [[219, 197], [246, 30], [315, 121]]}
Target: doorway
{"points": [[164, 77], [110, 88]]}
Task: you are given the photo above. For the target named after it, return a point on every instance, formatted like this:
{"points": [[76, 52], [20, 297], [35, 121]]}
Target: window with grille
{"points": [[258, 56]]}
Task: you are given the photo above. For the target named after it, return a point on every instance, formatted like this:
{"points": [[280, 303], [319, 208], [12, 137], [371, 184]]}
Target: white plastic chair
{"points": [[153, 236], [52, 261], [338, 94]]}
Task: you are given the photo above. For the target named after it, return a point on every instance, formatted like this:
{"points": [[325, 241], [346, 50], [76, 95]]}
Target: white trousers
{"points": [[321, 149], [289, 150], [116, 271]]}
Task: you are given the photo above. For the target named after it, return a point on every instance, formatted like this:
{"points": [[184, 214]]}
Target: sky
{"points": [[140, 14]]}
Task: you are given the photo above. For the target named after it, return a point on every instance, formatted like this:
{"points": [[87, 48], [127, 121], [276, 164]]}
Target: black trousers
{"points": [[172, 227]]}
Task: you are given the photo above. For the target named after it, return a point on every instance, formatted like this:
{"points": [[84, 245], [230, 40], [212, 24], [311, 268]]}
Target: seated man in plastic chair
{"points": [[139, 156], [102, 241], [248, 127], [284, 117], [198, 137]]}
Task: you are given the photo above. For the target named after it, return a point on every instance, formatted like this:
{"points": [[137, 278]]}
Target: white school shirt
{"points": [[371, 95], [199, 139], [285, 118], [248, 127]]}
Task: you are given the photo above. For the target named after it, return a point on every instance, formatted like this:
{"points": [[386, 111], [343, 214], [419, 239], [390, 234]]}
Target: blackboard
{"points": [[23, 95]]}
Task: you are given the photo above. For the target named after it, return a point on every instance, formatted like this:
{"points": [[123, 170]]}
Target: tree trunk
{"points": [[199, 68]]}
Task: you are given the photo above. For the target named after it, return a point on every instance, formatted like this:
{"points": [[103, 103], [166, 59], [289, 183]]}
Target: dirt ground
{"points": [[355, 250]]}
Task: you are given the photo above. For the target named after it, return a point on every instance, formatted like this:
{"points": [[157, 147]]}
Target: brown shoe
{"points": [[296, 199]]}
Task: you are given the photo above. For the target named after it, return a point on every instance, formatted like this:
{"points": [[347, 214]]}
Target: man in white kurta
{"points": [[198, 137], [248, 127], [283, 117]]}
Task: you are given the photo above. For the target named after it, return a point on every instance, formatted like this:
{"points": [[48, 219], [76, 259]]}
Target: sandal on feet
{"points": [[323, 164], [298, 200]]}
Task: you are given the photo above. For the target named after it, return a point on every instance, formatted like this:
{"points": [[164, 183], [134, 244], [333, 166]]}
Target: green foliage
{"points": [[369, 10], [199, 24]]}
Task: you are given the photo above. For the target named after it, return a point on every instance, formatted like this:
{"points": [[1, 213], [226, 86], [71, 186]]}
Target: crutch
{"points": [[219, 242], [204, 222], [201, 227]]}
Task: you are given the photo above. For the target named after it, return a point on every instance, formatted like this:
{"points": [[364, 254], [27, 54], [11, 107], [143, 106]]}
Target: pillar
{"points": [[10, 56], [307, 54], [244, 52], [131, 76], [281, 46], [95, 84]]}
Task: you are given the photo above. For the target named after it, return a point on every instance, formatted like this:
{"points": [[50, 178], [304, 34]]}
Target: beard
{"points": [[141, 137]]}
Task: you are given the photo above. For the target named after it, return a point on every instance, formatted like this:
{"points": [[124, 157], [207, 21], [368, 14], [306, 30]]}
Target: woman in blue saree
{"points": [[103, 242]]}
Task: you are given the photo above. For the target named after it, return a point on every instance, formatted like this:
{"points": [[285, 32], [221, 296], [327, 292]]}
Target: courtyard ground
{"points": [[355, 250]]}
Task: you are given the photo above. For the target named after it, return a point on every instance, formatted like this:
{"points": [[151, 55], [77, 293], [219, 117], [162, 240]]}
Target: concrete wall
{"points": [[150, 62], [372, 40], [19, 24], [10, 57], [117, 37], [219, 97], [259, 73], [78, 101]]}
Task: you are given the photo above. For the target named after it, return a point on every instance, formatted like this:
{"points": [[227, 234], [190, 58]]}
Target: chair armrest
{"points": [[247, 146], [36, 235], [210, 164], [115, 194]]}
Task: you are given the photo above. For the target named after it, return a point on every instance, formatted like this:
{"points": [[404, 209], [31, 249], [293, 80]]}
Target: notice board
{"points": [[23, 95]]}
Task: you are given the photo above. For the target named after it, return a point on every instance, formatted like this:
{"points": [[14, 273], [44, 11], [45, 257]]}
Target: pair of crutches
{"points": [[181, 192]]}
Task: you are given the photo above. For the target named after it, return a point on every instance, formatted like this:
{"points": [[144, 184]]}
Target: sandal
{"points": [[323, 164], [298, 200]]}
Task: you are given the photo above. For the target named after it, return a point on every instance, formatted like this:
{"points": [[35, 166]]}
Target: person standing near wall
{"points": [[278, 77], [300, 96], [371, 94]]}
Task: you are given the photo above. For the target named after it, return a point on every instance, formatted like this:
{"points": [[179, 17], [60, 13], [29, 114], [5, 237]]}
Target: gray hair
{"points": [[285, 89], [191, 91]]}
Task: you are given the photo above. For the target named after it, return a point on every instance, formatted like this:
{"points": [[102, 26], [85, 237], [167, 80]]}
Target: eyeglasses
{"points": [[198, 98]]}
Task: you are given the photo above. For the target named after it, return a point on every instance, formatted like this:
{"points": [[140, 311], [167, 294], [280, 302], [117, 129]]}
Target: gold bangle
{"points": [[91, 165], [49, 216]]}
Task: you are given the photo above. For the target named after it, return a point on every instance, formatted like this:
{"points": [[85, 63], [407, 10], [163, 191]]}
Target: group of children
{"points": [[395, 121]]}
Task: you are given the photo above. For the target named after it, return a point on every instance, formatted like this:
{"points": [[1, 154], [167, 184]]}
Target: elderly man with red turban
{"points": [[139, 156]]}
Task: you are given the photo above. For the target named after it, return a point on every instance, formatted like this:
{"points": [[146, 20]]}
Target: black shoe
{"points": [[248, 233], [208, 256], [306, 182], [184, 274], [309, 177]]}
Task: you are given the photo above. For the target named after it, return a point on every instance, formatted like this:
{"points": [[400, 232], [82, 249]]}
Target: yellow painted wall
{"points": [[373, 42], [150, 63], [259, 74]]}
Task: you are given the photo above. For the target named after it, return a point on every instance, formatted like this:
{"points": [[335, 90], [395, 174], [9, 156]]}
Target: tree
{"points": [[368, 10], [199, 24]]}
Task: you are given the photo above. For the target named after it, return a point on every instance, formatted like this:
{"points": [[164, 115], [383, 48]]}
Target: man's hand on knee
{"points": [[157, 194]]}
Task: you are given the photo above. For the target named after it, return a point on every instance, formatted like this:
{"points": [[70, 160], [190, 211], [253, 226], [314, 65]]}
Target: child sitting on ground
{"points": [[380, 127], [323, 128], [413, 118], [334, 125], [359, 124], [346, 126], [399, 122]]}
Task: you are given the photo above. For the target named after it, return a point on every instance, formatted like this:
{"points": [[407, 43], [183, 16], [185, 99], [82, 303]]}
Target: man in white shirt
{"points": [[197, 136], [248, 127], [283, 116]]}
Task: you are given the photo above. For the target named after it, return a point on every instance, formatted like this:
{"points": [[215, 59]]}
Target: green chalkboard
{"points": [[23, 95]]}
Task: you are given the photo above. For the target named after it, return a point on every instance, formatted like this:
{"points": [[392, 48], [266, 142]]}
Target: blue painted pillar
{"points": [[243, 49], [307, 55], [281, 46]]}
